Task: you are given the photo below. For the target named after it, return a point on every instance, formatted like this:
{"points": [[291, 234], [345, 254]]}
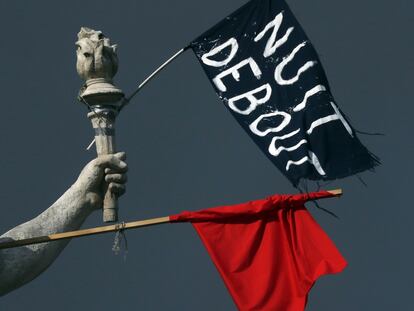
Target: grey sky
{"points": [[185, 151]]}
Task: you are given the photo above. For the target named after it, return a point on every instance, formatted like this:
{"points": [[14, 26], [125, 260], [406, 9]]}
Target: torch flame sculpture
{"points": [[97, 64]]}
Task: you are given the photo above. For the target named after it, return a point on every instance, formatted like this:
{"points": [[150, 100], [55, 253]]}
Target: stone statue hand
{"points": [[104, 169]]}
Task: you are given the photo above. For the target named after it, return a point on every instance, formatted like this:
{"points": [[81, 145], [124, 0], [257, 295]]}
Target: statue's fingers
{"points": [[113, 161], [116, 178], [109, 170], [118, 189], [120, 155]]}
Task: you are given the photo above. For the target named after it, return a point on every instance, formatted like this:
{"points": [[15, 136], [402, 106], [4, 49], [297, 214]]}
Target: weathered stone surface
{"points": [[97, 64], [96, 57], [20, 265]]}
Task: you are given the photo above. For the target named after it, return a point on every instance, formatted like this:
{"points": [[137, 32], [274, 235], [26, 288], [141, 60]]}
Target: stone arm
{"points": [[20, 265]]}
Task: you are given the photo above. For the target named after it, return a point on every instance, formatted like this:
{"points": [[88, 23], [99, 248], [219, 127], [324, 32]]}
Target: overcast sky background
{"points": [[185, 151]]}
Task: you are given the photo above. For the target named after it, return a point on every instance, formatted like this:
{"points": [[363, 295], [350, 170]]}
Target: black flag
{"points": [[269, 76]]}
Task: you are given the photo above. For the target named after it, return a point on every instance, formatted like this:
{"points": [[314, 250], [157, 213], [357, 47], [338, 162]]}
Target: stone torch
{"points": [[97, 64]]}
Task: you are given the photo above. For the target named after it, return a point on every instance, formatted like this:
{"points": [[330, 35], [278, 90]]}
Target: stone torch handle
{"points": [[104, 125]]}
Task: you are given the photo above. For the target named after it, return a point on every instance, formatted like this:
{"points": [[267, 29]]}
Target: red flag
{"points": [[269, 252]]}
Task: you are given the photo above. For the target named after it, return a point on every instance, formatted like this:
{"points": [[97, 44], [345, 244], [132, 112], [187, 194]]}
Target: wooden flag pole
{"points": [[336, 192], [84, 232], [100, 230]]}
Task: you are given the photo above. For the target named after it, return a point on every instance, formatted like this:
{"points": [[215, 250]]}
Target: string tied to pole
{"points": [[119, 237]]}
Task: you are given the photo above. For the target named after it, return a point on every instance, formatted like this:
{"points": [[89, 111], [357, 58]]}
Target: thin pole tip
{"points": [[337, 192]]}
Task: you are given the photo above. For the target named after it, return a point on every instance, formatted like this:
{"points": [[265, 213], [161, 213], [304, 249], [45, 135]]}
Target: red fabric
{"points": [[269, 252]]}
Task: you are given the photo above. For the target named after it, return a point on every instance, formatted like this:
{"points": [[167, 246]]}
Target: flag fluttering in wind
{"points": [[267, 73], [269, 252]]}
